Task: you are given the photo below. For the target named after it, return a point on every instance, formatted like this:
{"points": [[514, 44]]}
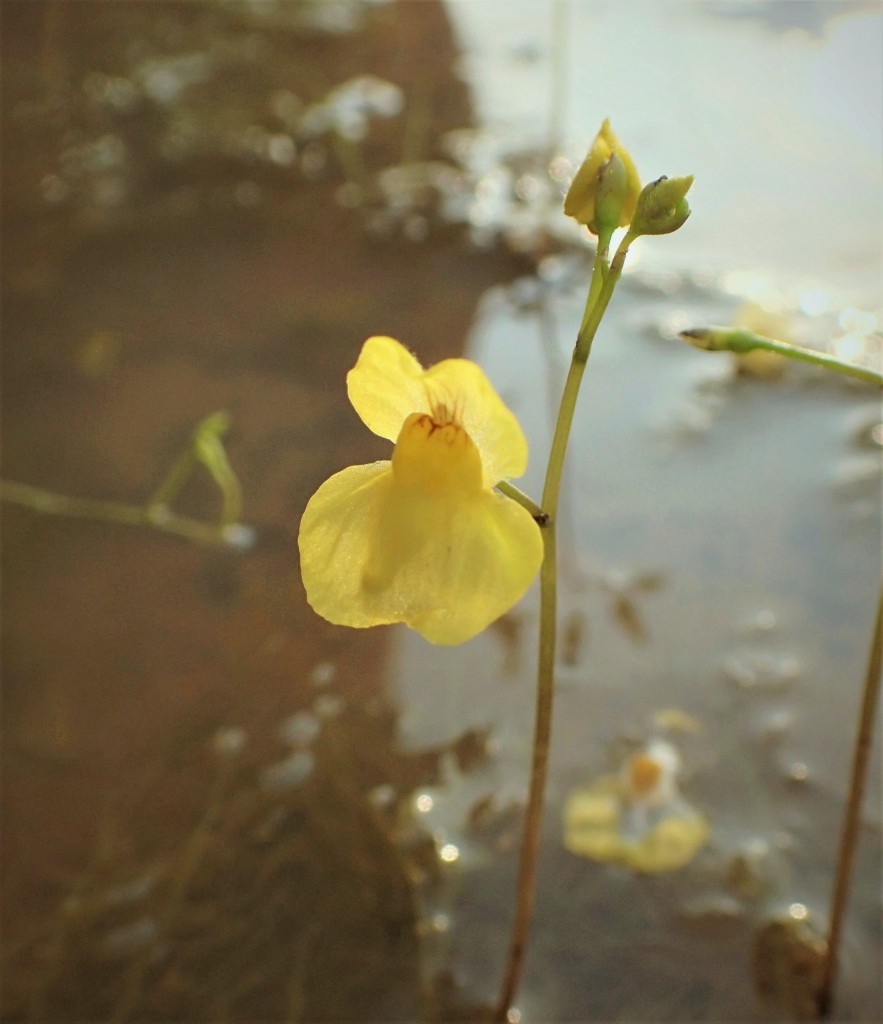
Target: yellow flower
{"points": [[424, 538], [579, 202], [637, 819]]}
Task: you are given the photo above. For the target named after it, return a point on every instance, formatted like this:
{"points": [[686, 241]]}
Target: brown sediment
{"points": [[124, 651]]}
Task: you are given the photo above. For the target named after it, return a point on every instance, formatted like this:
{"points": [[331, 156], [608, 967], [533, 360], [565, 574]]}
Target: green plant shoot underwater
{"points": [[437, 537]]}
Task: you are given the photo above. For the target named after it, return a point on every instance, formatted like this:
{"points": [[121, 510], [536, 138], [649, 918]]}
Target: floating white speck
{"points": [[323, 673], [289, 772], [228, 741], [300, 729]]}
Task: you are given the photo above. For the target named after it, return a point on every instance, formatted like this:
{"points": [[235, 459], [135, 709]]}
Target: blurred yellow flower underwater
{"points": [[637, 819], [422, 539]]}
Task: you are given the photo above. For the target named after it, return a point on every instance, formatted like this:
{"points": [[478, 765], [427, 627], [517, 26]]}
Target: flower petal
{"points": [[461, 387], [373, 551], [337, 533], [386, 386], [579, 202], [448, 568], [594, 820]]}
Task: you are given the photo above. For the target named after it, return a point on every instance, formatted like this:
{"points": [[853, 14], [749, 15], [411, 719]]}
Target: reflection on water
{"points": [[729, 485], [217, 806], [780, 128]]}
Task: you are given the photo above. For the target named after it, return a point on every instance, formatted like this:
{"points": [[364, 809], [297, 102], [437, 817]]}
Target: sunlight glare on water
{"points": [[682, 464], [780, 128]]}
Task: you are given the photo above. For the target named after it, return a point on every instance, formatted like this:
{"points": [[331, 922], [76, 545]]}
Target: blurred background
{"points": [[216, 806]]}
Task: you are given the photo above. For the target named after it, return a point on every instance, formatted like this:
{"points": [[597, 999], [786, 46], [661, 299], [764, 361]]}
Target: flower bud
{"points": [[662, 206], [610, 197], [586, 189], [721, 339]]}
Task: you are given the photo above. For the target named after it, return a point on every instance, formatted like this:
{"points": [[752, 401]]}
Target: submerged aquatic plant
{"points": [[206, 449]]}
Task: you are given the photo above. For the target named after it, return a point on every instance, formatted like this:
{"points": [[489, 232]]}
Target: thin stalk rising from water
{"points": [[852, 816], [604, 282]]}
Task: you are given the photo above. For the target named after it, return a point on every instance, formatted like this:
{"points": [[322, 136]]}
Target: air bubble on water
{"points": [[287, 107], [54, 189], [415, 228], [300, 729], [239, 536], [382, 796], [131, 892], [561, 169], [289, 772], [229, 740], [761, 621], [131, 938], [424, 802], [281, 150], [761, 670], [328, 705], [323, 673], [164, 79], [449, 853]]}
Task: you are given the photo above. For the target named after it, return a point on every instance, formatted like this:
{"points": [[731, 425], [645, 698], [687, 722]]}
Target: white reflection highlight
{"points": [[813, 302], [449, 853], [798, 911], [857, 321]]}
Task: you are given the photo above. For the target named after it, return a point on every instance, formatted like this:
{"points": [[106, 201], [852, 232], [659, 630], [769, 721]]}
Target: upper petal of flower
{"points": [[386, 386], [459, 387]]}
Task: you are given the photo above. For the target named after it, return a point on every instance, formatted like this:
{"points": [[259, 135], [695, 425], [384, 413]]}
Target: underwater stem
{"points": [[157, 516], [852, 816], [530, 843]]}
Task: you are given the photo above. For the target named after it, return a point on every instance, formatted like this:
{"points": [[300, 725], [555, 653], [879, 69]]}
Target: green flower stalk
{"points": [[603, 198], [741, 341]]}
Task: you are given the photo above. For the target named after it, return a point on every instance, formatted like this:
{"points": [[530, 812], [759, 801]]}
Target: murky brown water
{"points": [[209, 794]]}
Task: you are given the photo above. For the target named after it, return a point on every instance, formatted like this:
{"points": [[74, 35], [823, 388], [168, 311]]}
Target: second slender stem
{"points": [[852, 817]]}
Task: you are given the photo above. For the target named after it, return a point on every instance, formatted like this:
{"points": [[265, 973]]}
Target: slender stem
{"points": [[530, 843], [740, 341], [599, 270], [852, 816], [511, 491], [157, 516], [171, 484]]}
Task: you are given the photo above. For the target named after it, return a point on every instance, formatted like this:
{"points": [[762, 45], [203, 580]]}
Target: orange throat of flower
{"points": [[436, 456], [643, 774]]}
